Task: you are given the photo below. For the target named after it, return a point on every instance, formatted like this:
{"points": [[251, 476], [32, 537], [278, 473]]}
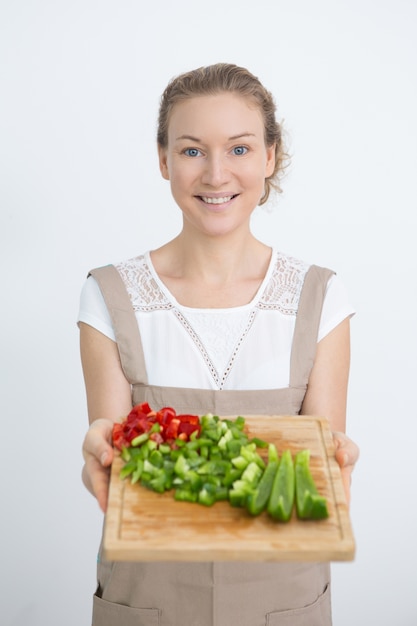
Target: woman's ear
{"points": [[270, 160], [163, 164]]}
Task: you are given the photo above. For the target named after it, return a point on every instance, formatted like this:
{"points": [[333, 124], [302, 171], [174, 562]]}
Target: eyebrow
{"points": [[233, 138]]}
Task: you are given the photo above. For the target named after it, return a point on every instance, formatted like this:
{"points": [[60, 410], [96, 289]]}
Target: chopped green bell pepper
{"points": [[309, 503], [281, 501]]}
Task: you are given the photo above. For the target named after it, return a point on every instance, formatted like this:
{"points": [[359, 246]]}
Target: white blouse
{"points": [[244, 347]]}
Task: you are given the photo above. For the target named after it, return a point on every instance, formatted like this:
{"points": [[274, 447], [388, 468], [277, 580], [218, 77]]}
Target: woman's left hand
{"points": [[346, 454]]}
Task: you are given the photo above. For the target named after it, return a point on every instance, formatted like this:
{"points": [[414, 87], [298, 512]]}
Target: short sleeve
{"points": [[93, 310], [336, 306]]}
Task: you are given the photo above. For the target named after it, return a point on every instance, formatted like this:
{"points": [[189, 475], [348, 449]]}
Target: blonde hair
{"points": [[218, 78]]}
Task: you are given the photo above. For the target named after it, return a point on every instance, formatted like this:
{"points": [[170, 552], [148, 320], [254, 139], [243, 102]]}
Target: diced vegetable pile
{"points": [[208, 459]]}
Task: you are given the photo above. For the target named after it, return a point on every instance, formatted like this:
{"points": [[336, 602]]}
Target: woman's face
{"points": [[216, 161]]}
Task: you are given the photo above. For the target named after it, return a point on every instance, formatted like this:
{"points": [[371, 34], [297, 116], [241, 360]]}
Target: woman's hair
{"points": [[225, 77]]}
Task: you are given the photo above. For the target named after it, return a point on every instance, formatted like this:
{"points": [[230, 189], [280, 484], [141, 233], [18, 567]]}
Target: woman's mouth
{"points": [[221, 200]]}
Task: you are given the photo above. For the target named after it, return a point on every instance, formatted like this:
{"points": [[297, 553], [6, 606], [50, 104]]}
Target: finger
{"points": [[342, 457], [347, 480], [98, 456], [97, 442], [346, 450], [96, 479]]}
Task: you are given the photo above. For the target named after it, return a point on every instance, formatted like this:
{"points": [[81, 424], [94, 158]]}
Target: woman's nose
{"points": [[216, 172]]}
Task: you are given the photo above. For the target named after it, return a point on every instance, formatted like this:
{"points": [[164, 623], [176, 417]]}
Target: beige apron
{"points": [[221, 593]]}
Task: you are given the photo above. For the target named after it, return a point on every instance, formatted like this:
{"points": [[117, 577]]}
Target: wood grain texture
{"points": [[141, 525]]}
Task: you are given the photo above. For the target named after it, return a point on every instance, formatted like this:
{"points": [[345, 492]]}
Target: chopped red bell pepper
{"points": [[142, 418], [165, 415], [188, 428]]}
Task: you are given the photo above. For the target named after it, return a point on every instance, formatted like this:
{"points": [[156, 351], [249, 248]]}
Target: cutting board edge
{"points": [[345, 551]]}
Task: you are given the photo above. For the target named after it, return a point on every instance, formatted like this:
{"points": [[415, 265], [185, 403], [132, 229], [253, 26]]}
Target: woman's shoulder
{"points": [[290, 270], [287, 277]]}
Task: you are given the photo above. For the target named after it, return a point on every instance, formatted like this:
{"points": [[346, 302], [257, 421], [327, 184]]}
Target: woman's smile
{"points": [[217, 200], [217, 203]]}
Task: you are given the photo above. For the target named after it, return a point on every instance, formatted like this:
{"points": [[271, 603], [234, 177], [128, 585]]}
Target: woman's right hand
{"points": [[98, 456], [109, 399]]}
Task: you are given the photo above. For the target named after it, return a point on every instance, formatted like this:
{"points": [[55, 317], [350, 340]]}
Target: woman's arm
{"points": [[108, 399], [327, 395]]}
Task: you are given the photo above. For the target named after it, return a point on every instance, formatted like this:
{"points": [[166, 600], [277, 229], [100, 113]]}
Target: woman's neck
{"points": [[210, 274]]}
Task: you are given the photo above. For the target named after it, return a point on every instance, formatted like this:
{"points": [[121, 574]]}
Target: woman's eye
{"points": [[240, 150], [192, 152]]}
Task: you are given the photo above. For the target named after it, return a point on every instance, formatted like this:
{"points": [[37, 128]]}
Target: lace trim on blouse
{"points": [[144, 292], [281, 293], [225, 335]]}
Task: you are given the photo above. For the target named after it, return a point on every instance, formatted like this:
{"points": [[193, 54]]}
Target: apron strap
{"points": [[307, 325], [124, 322]]}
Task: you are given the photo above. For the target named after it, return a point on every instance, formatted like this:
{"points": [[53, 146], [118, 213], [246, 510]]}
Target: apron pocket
{"points": [[316, 614], [109, 614]]}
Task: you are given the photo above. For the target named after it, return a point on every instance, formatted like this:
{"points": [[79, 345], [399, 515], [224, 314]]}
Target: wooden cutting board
{"points": [[141, 525]]}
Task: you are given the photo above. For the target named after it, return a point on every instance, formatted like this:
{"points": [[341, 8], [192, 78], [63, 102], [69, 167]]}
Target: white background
{"points": [[80, 187]]}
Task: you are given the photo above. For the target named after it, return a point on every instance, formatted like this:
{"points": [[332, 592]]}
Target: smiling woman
{"points": [[217, 174], [227, 79], [214, 321]]}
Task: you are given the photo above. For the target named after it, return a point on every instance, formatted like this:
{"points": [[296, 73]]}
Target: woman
{"points": [[214, 321]]}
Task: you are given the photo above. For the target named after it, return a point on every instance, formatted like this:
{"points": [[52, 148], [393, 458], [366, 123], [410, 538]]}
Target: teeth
{"points": [[216, 200]]}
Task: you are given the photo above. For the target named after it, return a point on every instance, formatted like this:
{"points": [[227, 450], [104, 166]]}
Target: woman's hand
{"points": [[98, 457], [109, 399], [346, 454]]}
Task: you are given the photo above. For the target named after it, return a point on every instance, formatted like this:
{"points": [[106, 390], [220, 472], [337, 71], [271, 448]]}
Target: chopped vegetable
{"points": [[281, 501], [163, 426], [309, 504], [258, 500], [205, 460]]}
